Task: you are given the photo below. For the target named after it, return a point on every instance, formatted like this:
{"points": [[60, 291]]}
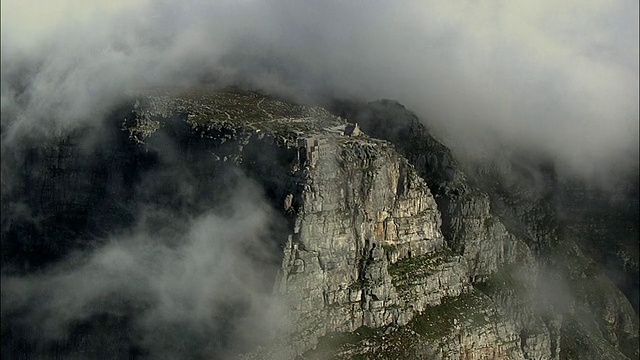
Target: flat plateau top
{"points": [[237, 109]]}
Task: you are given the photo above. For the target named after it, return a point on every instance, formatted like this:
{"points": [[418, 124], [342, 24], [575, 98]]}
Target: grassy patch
{"points": [[501, 280], [333, 341], [438, 321], [418, 266], [433, 325]]}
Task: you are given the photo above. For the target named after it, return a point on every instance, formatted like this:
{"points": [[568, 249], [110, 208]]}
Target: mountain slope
{"points": [[380, 245]]}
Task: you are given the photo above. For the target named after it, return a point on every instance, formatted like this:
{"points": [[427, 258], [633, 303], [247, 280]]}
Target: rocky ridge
{"points": [[366, 247], [388, 250], [562, 282]]}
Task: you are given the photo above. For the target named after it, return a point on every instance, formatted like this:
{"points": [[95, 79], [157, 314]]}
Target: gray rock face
{"points": [[366, 247], [388, 251], [469, 226], [539, 243], [361, 210]]}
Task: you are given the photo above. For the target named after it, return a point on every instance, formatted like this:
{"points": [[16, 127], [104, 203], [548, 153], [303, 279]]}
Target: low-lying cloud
{"points": [[190, 289], [561, 79]]}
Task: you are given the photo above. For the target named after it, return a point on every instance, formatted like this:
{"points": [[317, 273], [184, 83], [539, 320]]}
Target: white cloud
{"points": [[559, 77], [165, 281]]}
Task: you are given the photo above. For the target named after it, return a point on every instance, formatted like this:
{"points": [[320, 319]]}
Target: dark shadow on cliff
{"points": [[118, 249]]}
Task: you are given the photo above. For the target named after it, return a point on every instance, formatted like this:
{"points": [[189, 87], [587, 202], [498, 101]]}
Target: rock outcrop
{"points": [[560, 281], [386, 249]]}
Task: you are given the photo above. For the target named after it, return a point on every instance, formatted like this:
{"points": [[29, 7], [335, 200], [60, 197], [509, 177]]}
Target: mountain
{"points": [[239, 225]]}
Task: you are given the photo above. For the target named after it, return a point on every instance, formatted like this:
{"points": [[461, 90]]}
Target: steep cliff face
{"points": [[469, 225], [562, 284], [361, 212], [380, 246], [365, 247]]}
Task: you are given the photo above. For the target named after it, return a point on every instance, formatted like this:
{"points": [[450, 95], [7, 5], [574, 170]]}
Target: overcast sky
{"points": [[560, 77]]}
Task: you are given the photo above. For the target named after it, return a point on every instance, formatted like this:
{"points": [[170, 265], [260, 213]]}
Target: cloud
{"points": [[556, 78], [559, 78], [203, 280]]}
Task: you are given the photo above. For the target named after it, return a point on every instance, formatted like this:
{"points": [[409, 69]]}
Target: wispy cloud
{"points": [[202, 280], [561, 78]]}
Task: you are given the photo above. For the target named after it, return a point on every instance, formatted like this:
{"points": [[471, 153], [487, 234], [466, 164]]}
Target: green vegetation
{"points": [[333, 341], [366, 343], [438, 321], [501, 280], [433, 325], [417, 267], [229, 109]]}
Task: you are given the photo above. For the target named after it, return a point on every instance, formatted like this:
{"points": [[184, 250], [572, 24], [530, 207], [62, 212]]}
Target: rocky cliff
{"points": [[382, 247], [526, 195]]}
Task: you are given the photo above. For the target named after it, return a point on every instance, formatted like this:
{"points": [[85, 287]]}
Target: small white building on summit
{"points": [[352, 130]]}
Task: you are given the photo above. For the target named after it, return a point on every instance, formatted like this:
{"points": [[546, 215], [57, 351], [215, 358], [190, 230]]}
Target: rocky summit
{"points": [[382, 245]]}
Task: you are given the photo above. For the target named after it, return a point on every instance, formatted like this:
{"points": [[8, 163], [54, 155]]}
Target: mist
{"points": [[560, 79], [193, 287]]}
